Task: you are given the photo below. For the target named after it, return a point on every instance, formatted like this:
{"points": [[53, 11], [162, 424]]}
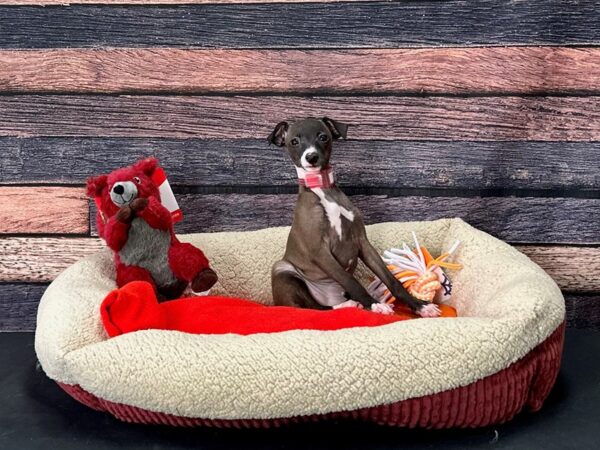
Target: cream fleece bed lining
{"points": [[508, 306]]}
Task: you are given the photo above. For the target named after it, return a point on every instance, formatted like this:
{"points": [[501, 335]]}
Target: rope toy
{"points": [[420, 273]]}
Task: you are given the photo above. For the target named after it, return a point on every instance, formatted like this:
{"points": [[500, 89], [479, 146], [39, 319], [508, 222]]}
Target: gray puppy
{"points": [[328, 234]]}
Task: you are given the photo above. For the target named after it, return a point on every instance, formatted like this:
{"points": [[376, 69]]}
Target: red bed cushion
{"points": [[135, 307]]}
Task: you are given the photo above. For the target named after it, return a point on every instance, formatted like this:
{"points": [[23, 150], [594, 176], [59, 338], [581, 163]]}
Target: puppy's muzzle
{"points": [[123, 193], [312, 158]]}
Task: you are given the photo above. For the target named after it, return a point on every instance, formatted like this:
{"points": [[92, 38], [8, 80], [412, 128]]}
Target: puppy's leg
{"points": [[289, 290], [328, 264], [374, 262]]}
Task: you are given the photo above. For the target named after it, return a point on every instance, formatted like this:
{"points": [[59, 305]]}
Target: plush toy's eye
{"points": [[137, 180]]}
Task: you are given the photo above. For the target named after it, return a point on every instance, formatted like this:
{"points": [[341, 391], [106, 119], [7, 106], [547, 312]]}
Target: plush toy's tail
{"points": [[135, 307]]}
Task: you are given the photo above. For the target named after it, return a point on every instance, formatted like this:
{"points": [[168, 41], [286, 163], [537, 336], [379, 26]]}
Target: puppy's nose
{"points": [[119, 189], [312, 158]]}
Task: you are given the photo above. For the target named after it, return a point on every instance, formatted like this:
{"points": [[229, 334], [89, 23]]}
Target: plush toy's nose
{"points": [[123, 193]]}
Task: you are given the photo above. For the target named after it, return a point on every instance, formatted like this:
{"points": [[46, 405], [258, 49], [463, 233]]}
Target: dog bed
{"points": [[502, 353]]}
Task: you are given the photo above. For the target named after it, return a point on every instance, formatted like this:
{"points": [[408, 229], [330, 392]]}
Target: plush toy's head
{"points": [[120, 187]]}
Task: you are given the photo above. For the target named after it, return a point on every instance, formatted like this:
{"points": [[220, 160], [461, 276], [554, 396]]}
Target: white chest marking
{"points": [[334, 212]]}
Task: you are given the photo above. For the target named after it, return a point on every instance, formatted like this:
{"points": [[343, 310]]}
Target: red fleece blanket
{"points": [[135, 307]]}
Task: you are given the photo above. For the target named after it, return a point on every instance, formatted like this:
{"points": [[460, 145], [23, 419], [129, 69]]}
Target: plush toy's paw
{"points": [[197, 294], [204, 280], [125, 214], [430, 310], [188, 292], [138, 204], [348, 304], [382, 308]]}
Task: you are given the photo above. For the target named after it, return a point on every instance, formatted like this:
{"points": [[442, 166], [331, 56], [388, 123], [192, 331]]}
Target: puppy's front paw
{"points": [[348, 304], [382, 308], [430, 310]]}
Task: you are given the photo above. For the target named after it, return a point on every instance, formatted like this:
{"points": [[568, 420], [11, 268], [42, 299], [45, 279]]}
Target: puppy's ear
{"points": [[277, 137], [148, 166], [338, 129], [95, 185]]}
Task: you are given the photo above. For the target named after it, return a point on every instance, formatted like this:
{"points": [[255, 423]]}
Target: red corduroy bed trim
{"points": [[491, 400]]}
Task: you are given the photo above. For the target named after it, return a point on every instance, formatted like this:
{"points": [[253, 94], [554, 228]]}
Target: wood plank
{"points": [[563, 166], [42, 259], [583, 311], [18, 305], [28, 259], [514, 219], [47, 210], [19, 302], [283, 25], [425, 71], [384, 118], [157, 2], [575, 269]]}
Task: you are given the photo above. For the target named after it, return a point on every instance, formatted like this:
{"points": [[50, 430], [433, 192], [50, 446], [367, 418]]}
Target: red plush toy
{"points": [[139, 229]]}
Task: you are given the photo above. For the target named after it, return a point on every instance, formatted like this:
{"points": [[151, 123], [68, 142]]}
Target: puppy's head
{"points": [[308, 141]]}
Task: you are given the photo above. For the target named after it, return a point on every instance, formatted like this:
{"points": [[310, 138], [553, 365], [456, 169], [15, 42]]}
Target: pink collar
{"points": [[316, 179]]}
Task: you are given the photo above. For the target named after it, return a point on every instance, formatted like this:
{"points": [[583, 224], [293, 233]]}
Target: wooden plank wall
{"points": [[486, 110]]}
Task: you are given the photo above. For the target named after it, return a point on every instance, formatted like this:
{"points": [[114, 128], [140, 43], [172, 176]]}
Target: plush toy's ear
{"points": [[277, 137], [148, 166], [95, 185], [338, 129]]}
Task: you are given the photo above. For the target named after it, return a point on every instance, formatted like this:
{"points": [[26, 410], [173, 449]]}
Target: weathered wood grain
{"points": [[33, 259], [373, 25], [46, 210], [159, 2], [18, 305], [583, 311], [566, 166], [19, 302], [385, 118], [41, 259], [529, 70], [514, 219], [575, 269]]}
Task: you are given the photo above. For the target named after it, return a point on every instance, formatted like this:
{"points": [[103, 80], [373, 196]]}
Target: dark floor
{"points": [[36, 414]]}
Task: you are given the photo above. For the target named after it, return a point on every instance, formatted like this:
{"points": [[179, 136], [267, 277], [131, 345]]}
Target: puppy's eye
{"points": [[323, 137], [137, 180], [294, 142]]}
